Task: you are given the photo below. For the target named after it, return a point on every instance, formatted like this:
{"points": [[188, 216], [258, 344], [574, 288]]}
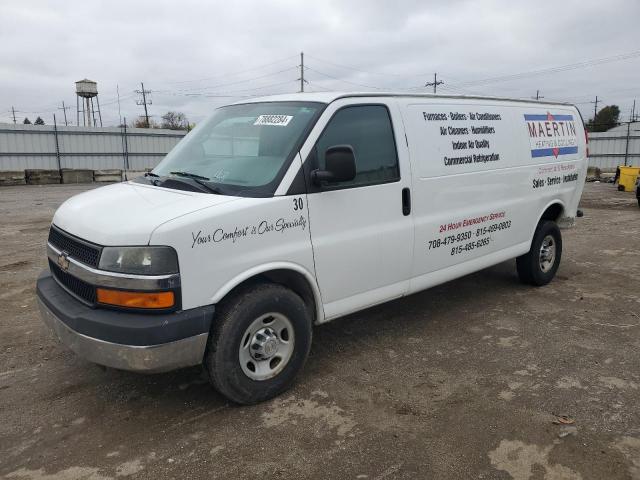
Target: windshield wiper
{"points": [[151, 174], [200, 180], [189, 175], [211, 188]]}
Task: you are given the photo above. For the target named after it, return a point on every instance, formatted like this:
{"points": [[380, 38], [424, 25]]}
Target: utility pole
{"points": [[302, 80], [13, 111], [144, 102], [595, 109], [119, 114], [626, 148], [55, 133], [538, 96], [64, 109], [633, 112], [435, 83], [125, 146]]}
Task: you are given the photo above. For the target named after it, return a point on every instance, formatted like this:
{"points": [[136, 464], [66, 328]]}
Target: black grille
{"points": [[80, 250], [82, 289]]}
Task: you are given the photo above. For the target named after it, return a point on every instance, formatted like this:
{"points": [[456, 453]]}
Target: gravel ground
{"points": [[460, 381]]}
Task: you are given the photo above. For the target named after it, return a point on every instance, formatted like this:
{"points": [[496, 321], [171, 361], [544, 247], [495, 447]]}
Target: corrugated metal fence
{"points": [[609, 149], [48, 147]]}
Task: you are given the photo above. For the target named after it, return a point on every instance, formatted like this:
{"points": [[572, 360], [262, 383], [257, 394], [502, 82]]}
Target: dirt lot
{"points": [[457, 382]]}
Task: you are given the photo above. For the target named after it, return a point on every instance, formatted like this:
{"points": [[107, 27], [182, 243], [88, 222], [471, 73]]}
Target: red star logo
{"points": [[555, 150]]}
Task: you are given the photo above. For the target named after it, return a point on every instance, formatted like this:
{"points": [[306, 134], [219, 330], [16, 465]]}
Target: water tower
{"points": [[86, 91]]}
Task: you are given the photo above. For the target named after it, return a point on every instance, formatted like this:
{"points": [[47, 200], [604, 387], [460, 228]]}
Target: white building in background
{"points": [[622, 129]]}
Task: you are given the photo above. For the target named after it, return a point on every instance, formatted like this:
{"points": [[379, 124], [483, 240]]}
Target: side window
{"points": [[367, 128]]}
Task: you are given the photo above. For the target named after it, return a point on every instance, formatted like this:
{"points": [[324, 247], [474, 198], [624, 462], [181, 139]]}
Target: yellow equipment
{"points": [[628, 177]]}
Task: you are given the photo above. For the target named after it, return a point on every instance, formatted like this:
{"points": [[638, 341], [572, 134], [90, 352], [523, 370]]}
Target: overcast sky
{"points": [[195, 56]]}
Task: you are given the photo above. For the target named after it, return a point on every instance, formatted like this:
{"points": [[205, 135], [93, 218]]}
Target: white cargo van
{"points": [[283, 212]]}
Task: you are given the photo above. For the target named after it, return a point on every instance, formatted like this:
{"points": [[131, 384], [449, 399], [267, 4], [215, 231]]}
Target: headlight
{"points": [[139, 260]]}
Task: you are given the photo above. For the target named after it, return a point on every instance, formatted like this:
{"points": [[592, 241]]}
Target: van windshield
{"points": [[242, 149]]}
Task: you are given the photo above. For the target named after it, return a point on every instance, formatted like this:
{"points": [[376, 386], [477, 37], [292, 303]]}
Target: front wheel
{"points": [[539, 265], [259, 342]]}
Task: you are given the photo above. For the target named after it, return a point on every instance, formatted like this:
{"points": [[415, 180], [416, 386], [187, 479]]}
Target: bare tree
{"points": [[175, 121], [141, 122]]}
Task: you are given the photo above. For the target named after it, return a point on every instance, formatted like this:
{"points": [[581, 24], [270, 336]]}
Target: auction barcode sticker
{"points": [[277, 120]]}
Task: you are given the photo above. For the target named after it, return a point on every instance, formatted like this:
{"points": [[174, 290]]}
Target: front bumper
{"points": [[123, 340]]}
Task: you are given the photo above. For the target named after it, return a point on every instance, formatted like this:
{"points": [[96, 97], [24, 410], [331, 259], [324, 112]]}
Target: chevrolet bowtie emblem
{"points": [[63, 261]]}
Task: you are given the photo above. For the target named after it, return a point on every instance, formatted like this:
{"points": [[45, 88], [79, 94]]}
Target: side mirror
{"points": [[340, 165]]}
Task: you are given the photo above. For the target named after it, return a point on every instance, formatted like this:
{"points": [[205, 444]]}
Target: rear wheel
{"points": [[259, 342], [539, 265]]}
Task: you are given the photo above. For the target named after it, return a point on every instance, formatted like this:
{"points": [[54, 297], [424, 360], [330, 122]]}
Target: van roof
{"points": [[328, 97]]}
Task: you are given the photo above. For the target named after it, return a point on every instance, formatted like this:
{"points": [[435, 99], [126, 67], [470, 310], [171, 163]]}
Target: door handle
{"points": [[406, 201]]}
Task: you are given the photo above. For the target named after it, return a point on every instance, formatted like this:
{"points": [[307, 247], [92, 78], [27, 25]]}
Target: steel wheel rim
{"points": [[547, 253], [266, 346]]}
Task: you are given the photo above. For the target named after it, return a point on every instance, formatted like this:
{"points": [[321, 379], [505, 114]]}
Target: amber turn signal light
{"points": [[122, 298]]}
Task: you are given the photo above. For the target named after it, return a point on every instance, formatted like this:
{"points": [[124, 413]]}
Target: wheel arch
{"points": [[554, 210], [291, 275]]}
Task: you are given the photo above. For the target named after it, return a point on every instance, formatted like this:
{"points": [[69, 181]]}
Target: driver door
{"points": [[362, 229]]}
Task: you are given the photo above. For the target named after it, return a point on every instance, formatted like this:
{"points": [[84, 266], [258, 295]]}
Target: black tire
{"points": [[233, 317], [529, 266]]}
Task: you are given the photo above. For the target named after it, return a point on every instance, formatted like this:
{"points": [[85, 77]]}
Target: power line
{"points": [[451, 88], [126, 97], [317, 86], [212, 87], [39, 112], [342, 80], [610, 92], [557, 69], [458, 91], [219, 90], [195, 94], [364, 71], [231, 74], [515, 76], [551, 70], [222, 94]]}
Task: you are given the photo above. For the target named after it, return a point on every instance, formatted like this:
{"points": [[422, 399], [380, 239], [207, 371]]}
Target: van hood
{"points": [[128, 213]]}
